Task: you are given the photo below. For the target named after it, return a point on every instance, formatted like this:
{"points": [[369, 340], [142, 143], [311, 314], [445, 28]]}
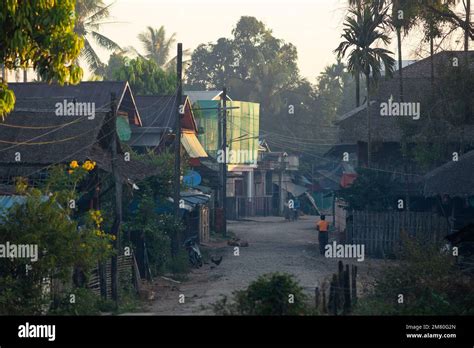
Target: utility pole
{"points": [[177, 145], [219, 148], [467, 26], [224, 166], [118, 206]]}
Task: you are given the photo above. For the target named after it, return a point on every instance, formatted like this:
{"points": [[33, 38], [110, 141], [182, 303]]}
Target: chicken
{"points": [[216, 261]]}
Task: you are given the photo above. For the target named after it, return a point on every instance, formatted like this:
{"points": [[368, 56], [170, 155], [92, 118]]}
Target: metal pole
{"points": [[177, 145], [118, 206], [224, 167]]}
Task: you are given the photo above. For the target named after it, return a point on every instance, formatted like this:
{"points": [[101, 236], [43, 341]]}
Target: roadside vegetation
{"points": [[429, 282]]}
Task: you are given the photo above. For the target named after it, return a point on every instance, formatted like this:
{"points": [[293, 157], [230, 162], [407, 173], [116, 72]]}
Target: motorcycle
{"points": [[194, 254]]}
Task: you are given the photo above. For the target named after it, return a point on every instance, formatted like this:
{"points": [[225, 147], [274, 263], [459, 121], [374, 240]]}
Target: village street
{"points": [[275, 245]]}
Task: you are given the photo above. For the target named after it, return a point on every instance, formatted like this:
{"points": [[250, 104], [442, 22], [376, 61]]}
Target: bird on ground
{"points": [[216, 261]]}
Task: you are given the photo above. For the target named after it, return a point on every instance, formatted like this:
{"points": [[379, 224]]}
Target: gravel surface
{"points": [[274, 246]]}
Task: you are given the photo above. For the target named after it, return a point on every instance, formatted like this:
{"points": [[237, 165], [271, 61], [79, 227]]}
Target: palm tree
{"points": [[403, 18], [362, 30], [89, 17], [157, 45], [377, 5]]}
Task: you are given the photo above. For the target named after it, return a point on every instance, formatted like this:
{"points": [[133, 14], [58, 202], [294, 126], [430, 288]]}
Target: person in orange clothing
{"points": [[323, 227]]}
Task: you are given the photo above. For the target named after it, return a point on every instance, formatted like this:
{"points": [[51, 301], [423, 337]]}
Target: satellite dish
{"points": [[192, 178]]}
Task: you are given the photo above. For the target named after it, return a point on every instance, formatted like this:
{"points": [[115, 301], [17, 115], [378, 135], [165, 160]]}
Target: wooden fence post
{"points": [[347, 291], [333, 296], [354, 284], [316, 298], [324, 304], [340, 284]]}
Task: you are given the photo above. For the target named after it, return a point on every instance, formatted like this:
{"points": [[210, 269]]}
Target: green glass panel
{"points": [[123, 128]]}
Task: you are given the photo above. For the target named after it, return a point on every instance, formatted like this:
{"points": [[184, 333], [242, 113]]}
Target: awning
{"points": [[7, 202], [192, 145], [295, 190], [190, 199]]}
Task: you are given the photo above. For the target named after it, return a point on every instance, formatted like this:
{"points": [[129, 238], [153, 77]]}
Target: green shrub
{"points": [[61, 246], [268, 295], [85, 303], [179, 265], [428, 280]]}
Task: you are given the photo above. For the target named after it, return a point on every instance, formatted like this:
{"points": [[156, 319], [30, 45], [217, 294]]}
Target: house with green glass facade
{"points": [[241, 157]]}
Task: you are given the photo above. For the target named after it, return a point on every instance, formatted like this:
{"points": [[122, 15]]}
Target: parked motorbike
{"points": [[194, 254]]}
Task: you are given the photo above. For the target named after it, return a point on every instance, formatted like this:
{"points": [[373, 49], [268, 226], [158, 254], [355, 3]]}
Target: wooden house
{"points": [[388, 133], [158, 114], [34, 137], [452, 186]]}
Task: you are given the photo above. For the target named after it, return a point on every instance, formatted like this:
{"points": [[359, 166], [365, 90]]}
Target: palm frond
{"points": [[101, 14], [90, 56], [104, 41]]}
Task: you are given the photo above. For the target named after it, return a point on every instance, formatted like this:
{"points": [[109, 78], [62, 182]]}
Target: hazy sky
{"points": [[313, 26]]}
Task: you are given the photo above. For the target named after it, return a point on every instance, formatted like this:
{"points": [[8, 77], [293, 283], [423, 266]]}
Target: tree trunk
{"points": [[25, 75], [357, 81], [400, 62], [367, 77]]}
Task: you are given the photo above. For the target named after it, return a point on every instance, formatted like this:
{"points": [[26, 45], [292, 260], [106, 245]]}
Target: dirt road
{"points": [[274, 246]]}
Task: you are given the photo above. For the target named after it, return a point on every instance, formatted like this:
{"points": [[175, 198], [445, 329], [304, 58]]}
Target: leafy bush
{"points": [[45, 220], [429, 282], [179, 265], [268, 295], [85, 303], [371, 190]]}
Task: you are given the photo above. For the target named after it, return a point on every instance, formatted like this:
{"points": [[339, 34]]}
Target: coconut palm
{"points": [[362, 31], [377, 5], [158, 46], [404, 14], [90, 16]]}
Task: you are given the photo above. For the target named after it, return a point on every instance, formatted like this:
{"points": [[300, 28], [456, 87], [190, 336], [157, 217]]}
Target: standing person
{"points": [[322, 226], [296, 209]]}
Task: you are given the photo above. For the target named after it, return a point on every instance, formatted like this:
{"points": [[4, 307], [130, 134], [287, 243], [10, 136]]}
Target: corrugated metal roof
{"points": [[204, 95], [6, 202], [192, 145], [296, 190]]}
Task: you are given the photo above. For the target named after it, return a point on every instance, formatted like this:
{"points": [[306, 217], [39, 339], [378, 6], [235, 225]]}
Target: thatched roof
{"points": [[453, 178], [159, 111], [42, 139], [417, 89], [40, 96], [422, 68]]}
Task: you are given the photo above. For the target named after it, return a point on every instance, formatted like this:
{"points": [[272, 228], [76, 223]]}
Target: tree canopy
{"points": [[256, 66], [145, 76], [41, 34]]}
